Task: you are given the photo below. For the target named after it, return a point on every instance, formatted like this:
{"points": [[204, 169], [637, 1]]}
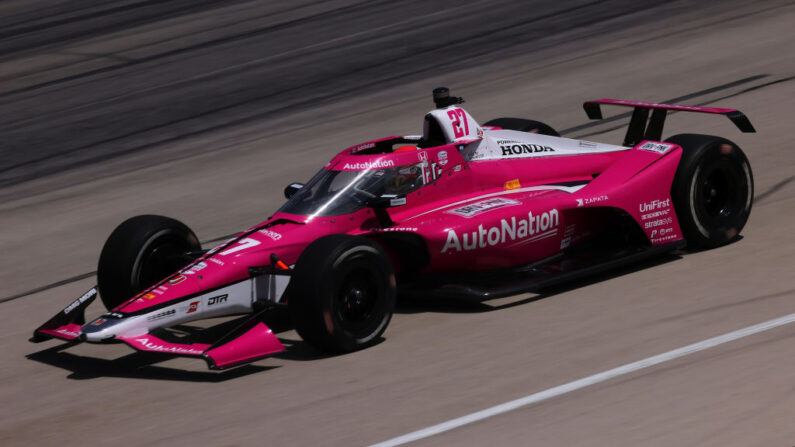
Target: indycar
{"points": [[463, 210]]}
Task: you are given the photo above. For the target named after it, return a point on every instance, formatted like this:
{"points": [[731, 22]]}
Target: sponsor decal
{"points": [[523, 229], [422, 156], [654, 205], [88, 295], [655, 214], [519, 149], [217, 261], [217, 300], [478, 155], [370, 164], [384, 230], [457, 168], [271, 234], [565, 242], [513, 184], [442, 158], [658, 148], [160, 315], [193, 307], [586, 144], [160, 290], [480, 132], [98, 322], [148, 296], [663, 239], [115, 315], [149, 346], [661, 232], [662, 235], [192, 270], [658, 222], [473, 209], [177, 280], [506, 141], [590, 200], [67, 332], [363, 146]]}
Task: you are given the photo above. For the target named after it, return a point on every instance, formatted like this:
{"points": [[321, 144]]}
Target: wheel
{"points": [[342, 293], [713, 190], [524, 126], [140, 252]]}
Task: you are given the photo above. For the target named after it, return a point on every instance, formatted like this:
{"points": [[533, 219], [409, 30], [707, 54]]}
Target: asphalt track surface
{"points": [[204, 110]]}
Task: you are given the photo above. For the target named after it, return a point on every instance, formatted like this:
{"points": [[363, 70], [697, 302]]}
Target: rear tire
{"points": [[523, 125], [342, 293], [140, 252], [713, 190]]}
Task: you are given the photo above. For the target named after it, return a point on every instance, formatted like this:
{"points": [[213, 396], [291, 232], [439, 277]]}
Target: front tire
{"points": [[523, 125], [713, 190], [342, 293], [140, 252]]}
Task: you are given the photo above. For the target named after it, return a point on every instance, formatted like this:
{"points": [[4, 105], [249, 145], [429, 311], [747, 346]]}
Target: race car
{"points": [[462, 211]]}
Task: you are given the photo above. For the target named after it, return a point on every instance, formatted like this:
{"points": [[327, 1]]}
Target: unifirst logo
{"points": [[654, 205], [516, 229]]}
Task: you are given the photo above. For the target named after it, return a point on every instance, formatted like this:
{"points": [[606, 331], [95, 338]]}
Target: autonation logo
{"points": [[530, 229], [378, 164]]}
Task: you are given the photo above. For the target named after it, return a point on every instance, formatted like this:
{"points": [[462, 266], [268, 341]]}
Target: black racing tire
{"points": [[712, 191], [523, 125], [140, 252], [342, 293]]}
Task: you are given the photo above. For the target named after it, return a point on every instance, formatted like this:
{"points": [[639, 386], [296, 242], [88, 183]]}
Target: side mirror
{"points": [[291, 189], [386, 201]]}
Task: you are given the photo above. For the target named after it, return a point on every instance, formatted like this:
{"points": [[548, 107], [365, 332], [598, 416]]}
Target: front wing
{"points": [[248, 342]]}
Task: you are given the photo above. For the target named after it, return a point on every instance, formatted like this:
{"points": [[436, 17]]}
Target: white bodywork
{"points": [[508, 144], [237, 298]]}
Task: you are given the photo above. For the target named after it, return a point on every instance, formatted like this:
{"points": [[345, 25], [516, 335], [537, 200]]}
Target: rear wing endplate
{"points": [[641, 127]]}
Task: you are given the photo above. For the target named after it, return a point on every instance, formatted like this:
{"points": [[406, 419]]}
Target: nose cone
{"points": [[103, 328]]}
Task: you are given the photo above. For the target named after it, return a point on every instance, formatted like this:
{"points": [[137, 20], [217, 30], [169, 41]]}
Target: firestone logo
{"points": [[506, 231], [654, 205], [369, 165]]}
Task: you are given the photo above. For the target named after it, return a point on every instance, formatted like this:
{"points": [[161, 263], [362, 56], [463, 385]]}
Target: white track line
{"points": [[587, 381]]}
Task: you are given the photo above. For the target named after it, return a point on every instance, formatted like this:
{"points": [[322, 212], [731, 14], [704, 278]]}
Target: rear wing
{"points": [[641, 127]]}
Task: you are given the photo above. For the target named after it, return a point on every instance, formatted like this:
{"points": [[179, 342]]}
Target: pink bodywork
{"points": [[68, 331], [492, 199], [255, 343], [634, 180]]}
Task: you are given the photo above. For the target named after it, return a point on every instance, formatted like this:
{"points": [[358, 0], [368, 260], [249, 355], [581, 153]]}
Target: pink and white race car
{"points": [[464, 210]]}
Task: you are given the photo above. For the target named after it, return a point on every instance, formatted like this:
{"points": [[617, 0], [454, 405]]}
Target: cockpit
{"points": [[335, 193]]}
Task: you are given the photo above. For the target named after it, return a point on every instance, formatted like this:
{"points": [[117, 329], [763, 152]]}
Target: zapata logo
{"points": [[194, 306]]}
